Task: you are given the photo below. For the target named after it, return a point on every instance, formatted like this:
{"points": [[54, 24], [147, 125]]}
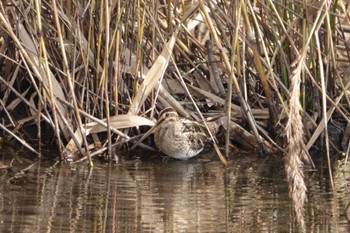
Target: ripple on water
{"points": [[197, 195]]}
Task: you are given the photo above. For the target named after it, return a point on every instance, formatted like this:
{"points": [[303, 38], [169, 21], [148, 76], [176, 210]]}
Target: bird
{"points": [[181, 138]]}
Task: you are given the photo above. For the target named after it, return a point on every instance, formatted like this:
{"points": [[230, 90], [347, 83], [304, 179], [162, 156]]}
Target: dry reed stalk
{"points": [[69, 80], [258, 63], [324, 105], [24, 143], [106, 79], [230, 68], [232, 81], [107, 49]]}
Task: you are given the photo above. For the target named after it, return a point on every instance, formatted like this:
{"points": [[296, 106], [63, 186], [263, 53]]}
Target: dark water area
{"points": [[198, 195]]}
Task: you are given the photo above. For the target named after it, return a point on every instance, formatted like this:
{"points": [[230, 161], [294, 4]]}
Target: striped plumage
{"points": [[180, 138]]}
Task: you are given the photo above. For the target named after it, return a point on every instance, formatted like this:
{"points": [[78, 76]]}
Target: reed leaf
{"points": [[153, 76]]}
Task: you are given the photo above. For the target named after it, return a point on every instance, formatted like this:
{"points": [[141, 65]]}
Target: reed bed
{"points": [[90, 77]]}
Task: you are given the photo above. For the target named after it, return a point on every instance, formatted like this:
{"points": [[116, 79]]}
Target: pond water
{"points": [[154, 195]]}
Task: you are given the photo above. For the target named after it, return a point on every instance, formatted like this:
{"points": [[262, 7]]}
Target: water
{"points": [[198, 195]]}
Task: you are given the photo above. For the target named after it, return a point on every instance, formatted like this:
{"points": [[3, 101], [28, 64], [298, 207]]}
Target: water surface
{"points": [[153, 195]]}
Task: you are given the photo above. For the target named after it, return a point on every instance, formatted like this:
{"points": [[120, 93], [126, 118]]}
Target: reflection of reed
{"points": [[254, 190], [66, 195], [192, 196], [173, 196], [327, 207]]}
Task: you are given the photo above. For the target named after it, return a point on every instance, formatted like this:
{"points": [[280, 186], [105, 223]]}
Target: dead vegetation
{"points": [[86, 75]]}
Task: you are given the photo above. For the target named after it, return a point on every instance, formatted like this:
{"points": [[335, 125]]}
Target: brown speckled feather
{"points": [[178, 137]]}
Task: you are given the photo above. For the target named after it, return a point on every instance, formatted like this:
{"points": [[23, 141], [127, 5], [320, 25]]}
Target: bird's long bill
{"points": [[149, 132]]}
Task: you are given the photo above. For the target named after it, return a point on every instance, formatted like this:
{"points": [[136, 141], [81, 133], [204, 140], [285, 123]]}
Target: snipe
{"points": [[181, 138]]}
